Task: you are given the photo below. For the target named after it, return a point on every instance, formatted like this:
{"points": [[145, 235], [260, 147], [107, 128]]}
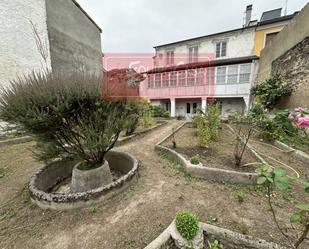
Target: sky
{"points": [[136, 26]]}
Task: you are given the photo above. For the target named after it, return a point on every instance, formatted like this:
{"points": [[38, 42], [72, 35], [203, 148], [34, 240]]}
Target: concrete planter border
{"points": [[298, 154], [51, 174], [225, 236], [204, 172], [141, 133], [18, 140]]}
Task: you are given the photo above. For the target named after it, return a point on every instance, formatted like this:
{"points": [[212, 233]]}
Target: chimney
{"points": [[248, 15]]}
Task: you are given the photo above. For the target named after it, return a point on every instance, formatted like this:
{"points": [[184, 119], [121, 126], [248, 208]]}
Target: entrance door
{"points": [[189, 112]]}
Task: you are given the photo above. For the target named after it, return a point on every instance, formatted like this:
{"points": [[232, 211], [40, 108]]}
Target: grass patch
{"points": [[239, 227], [131, 190], [175, 166]]}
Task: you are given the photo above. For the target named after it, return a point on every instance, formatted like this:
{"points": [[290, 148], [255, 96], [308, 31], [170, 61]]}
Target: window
{"points": [[200, 76], [232, 74], [220, 49], [151, 81], [173, 79], [220, 75], [158, 80], [169, 57], [269, 38], [191, 77], [182, 80], [193, 54], [244, 73], [165, 79]]}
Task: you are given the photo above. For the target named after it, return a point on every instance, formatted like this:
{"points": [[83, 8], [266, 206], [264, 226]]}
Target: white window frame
{"points": [[245, 73], [170, 57], [173, 73], [158, 75], [225, 75], [234, 74], [193, 53], [182, 78], [151, 80], [220, 48]]}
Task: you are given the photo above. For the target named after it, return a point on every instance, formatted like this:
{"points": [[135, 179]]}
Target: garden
{"points": [[203, 184]]}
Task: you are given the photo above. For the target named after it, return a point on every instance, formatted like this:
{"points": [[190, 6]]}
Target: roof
{"points": [[222, 62], [86, 14], [278, 19], [206, 36], [265, 22], [271, 14]]}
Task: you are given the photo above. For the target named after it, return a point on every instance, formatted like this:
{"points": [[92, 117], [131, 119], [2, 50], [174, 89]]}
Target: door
{"points": [[189, 111]]}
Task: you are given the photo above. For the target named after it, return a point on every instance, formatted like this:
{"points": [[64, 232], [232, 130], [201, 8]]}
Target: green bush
{"points": [[277, 126], [187, 224], [199, 120], [146, 115], [135, 111], [195, 160], [159, 112], [271, 91], [207, 124], [66, 115]]}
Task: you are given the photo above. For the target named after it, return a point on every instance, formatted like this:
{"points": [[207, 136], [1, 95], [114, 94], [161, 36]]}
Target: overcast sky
{"points": [[138, 25]]}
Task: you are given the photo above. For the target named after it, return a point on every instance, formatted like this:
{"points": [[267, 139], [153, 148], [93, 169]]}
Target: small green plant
{"points": [[214, 245], [93, 208], [239, 196], [277, 178], [195, 160], [187, 224]]}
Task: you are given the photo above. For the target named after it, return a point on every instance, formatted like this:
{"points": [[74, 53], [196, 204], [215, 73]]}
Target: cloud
{"points": [[138, 25]]}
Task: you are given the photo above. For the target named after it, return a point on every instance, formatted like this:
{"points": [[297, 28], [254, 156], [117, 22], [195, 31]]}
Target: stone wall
{"points": [[74, 38], [18, 50], [293, 66]]}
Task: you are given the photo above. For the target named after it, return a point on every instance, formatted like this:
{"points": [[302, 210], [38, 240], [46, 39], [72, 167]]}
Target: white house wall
{"points": [[18, 50], [239, 44]]}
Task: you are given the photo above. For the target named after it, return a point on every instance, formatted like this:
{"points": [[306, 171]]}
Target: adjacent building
{"points": [[288, 55], [47, 35], [219, 67]]}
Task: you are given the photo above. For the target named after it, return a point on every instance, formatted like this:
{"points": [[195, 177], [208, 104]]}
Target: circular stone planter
{"points": [[85, 180], [49, 176]]}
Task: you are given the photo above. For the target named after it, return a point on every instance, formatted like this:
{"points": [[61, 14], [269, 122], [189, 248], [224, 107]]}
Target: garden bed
{"points": [[228, 239], [218, 154], [136, 217], [278, 155]]}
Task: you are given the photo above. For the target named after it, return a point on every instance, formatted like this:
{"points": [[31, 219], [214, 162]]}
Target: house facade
{"points": [[49, 35], [271, 23], [220, 67]]}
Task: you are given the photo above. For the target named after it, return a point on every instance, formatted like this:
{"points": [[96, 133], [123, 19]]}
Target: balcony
{"points": [[223, 81]]}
